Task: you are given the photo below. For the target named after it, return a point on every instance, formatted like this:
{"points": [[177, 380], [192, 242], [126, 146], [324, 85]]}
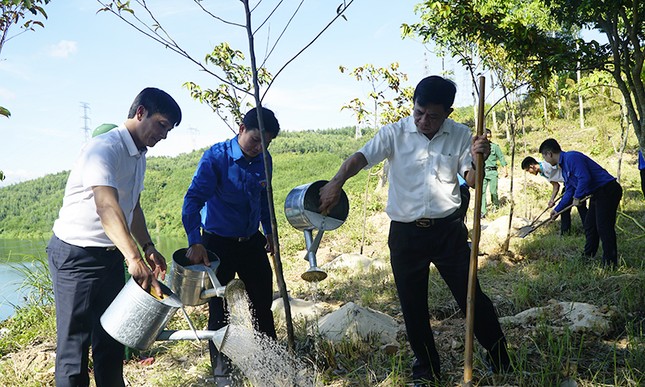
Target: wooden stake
{"points": [[474, 251]]}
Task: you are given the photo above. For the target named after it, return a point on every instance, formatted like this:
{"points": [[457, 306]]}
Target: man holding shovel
{"points": [[426, 151], [223, 209], [584, 177], [553, 175]]}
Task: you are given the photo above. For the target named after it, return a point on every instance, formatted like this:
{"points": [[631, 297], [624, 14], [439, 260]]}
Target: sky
{"points": [[85, 68]]}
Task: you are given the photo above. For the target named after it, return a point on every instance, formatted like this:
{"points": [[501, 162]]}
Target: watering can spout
{"points": [[218, 337]]}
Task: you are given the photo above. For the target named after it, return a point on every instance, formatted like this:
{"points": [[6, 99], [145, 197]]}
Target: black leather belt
{"points": [[429, 222], [236, 239], [109, 248]]}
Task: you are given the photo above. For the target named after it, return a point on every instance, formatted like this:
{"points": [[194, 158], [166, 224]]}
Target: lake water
{"points": [[17, 252]]}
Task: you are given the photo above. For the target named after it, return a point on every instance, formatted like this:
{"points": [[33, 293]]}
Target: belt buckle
{"points": [[243, 239], [424, 222], [111, 248]]}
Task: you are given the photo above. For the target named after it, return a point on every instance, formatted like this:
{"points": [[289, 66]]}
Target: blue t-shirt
{"points": [[228, 195]]}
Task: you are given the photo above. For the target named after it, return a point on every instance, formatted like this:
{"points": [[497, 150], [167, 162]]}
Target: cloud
{"points": [[63, 49]]}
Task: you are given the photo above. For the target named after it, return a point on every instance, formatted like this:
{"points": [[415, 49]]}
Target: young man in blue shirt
{"points": [[584, 177], [223, 209]]}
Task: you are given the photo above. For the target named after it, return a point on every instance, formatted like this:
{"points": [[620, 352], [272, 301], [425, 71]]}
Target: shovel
{"points": [[526, 230], [542, 213]]}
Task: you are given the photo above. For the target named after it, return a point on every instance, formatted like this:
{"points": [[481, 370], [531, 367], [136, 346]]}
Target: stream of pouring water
{"points": [[264, 362]]}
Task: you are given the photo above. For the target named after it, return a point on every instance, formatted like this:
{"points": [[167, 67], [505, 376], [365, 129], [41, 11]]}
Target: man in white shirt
{"points": [[98, 227], [426, 151], [553, 174]]}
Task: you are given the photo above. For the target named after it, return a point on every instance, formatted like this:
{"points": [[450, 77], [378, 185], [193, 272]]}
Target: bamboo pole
{"points": [[474, 252]]}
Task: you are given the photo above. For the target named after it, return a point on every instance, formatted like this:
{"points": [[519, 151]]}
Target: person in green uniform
{"points": [[490, 177]]}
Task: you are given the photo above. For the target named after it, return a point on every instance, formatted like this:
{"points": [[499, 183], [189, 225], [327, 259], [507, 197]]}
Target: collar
{"points": [[236, 151], [561, 159], [127, 139], [442, 130]]}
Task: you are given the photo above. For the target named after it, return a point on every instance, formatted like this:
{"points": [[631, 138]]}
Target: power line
{"points": [[86, 120]]}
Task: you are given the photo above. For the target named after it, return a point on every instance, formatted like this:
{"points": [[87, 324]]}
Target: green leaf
{"points": [[5, 112]]}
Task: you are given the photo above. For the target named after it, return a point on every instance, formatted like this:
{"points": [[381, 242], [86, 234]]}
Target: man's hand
{"points": [[576, 202], [329, 196], [554, 215], [551, 203], [480, 144], [144, 276], [269, 246], [197, 254], [156, 261]]}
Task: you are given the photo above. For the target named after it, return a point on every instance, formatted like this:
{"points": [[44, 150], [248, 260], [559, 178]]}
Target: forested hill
{"points": [[29, 209]]}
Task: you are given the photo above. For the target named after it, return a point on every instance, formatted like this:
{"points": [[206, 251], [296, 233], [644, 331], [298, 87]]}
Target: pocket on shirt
{"points": [[447, 167]]}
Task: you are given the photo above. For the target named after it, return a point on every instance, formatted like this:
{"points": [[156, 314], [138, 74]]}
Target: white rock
{"points": [[577, 316], [357, 323], [300, 309]]}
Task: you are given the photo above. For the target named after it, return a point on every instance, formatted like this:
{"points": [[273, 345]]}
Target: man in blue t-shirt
{"points": [[223, 209], [584, 177]]}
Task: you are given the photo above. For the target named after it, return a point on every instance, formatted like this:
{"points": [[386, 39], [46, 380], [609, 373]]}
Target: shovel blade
{"points": [[524, 231]]}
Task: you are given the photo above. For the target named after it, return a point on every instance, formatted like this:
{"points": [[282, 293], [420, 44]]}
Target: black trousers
{"points": [[412, 249], [600, 223], [249, 260], [642, 171], [86, 281], [565, 218]]}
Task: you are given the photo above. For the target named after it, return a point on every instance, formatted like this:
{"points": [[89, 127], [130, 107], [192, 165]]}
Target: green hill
{"points": [[28, 209]]}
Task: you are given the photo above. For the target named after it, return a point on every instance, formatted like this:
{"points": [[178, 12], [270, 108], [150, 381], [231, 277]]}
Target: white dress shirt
{"points": [[111, 159], [423, 173]]}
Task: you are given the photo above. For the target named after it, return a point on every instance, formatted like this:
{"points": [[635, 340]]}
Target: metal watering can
{"points": [[137, 318], [194, 284], [301, 210]]}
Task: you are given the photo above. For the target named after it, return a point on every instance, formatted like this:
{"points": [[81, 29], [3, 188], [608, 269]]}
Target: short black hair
{"points": [[528, 161], [271, 124], [156, 101], [550, 145], [435, 90]]}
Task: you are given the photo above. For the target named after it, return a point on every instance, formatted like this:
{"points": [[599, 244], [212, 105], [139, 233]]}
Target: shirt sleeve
{"points": [[500, 156], [200, 190], [379, 147], [100, 163]]}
